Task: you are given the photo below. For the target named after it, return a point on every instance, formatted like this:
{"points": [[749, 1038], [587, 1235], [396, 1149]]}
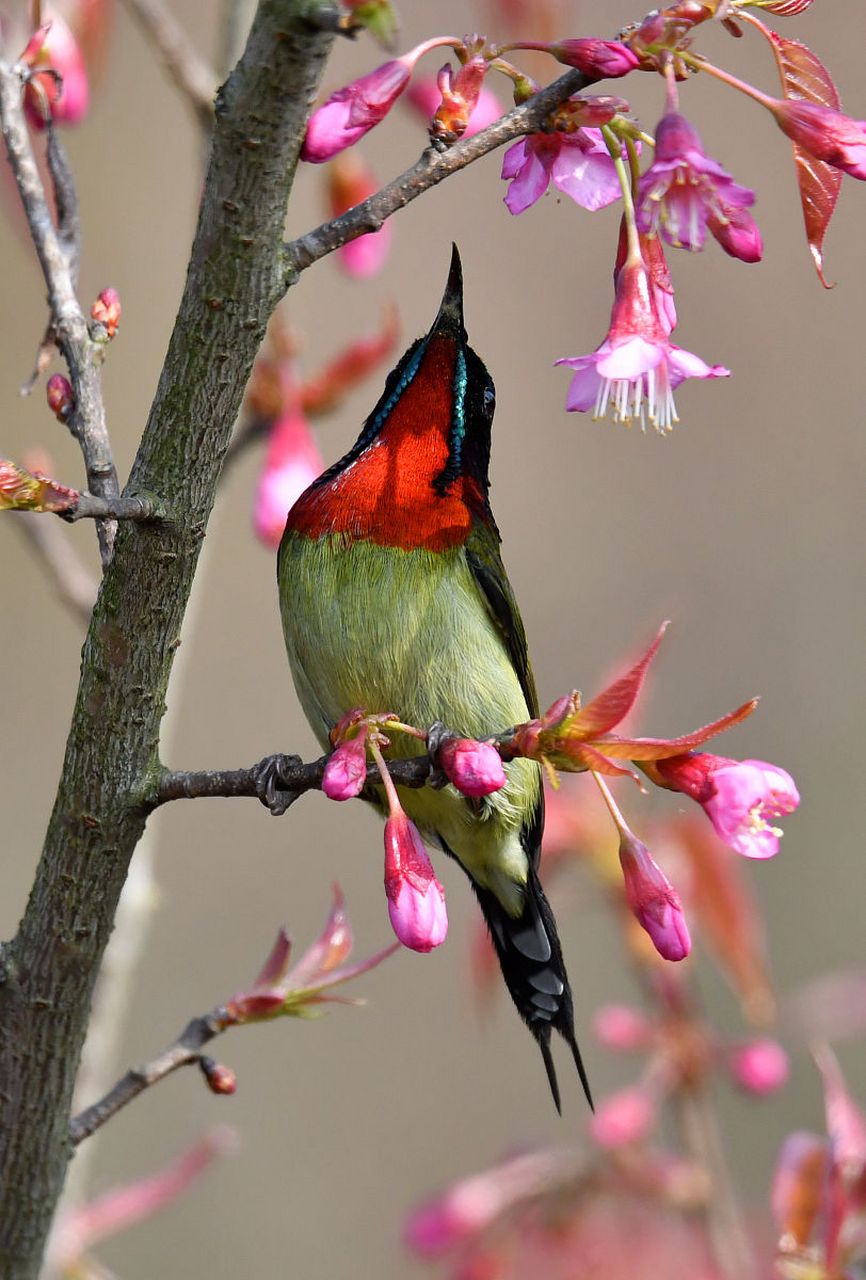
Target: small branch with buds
{"points": [[87, 421], [430, 169], [184, 1051]]}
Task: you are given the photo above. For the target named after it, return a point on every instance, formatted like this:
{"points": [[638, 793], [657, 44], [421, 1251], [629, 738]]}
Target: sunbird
{"points": [[394, 597]]}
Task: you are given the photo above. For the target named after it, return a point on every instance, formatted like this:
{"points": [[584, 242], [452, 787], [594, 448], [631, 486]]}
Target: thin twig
{"points": [[430, 169], [182, 60], [74, 584], [70, 327], [186, 1049]]}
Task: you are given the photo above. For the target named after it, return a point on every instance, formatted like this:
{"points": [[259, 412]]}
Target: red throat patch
{"points": [[386, 495]]}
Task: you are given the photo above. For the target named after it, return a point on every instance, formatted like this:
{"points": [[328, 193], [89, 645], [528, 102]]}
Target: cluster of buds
{"points": [[105, 314], [416, 899], [680, 1052]]}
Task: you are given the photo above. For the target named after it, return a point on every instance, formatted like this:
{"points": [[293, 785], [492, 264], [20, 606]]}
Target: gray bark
{"points": [[236, 276]]}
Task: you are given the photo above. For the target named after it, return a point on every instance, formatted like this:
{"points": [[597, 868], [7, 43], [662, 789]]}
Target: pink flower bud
{"points": [[416, 899], [66, 99], [475, 768], [760, 1067], [293, 462], [61, 401], [737, 233], [600, 59], [351, 112], [619, 1027], [106, 311], [740, 797], [653, 900], [346, 771], [826, 134], [623, 1118]]}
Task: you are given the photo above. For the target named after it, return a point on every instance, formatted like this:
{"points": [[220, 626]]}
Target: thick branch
{"points": [[429, 170], [185, 1050], [236, 276], [58, 261]]}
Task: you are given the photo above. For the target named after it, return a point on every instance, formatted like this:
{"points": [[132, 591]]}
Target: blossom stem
{"points": [[437, 42], [614, 809], [614, 146], [394, 805], [700, 64], [672, 98]]}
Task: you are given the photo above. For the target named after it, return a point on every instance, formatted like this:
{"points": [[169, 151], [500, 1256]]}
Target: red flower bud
{"points": [[61, 401], [220, 1079]]}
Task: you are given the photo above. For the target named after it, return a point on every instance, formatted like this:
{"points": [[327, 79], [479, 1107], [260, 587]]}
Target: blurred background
{"points": [[745, 527]]}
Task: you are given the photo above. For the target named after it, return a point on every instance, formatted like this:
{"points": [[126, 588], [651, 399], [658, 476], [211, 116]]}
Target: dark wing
{"points": [[482, 554]]}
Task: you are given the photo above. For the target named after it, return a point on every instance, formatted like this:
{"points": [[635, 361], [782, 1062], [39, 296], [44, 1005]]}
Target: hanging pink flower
{"points": [[653, 900], [637, 367], [416, 899], [684, 192]]}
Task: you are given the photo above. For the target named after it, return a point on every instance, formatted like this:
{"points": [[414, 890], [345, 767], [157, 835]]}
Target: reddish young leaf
{"points": [[663, 748], [805, 79], [614, 702], [22, 490], [323, 391]]}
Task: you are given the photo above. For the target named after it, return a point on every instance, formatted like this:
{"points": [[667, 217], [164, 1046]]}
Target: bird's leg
{"points": [[437, 735], [274, 777]]}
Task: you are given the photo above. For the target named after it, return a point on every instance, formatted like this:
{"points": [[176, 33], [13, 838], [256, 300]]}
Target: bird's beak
{"points": [[449, 321]]}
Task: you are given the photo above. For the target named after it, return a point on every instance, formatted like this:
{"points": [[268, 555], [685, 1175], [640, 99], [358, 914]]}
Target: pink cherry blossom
{"points": [[826, 134], [475, 768], [416, 899], [740, 797], [578, 164], [653, 900], [293, 462], [637, 367], [684, 191], [599, 59]]}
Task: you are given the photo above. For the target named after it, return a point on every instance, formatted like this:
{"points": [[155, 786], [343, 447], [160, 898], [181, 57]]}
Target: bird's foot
{"points": [[274, 776], [437, 735]]}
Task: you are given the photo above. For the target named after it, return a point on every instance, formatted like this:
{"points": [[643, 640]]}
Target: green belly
{"points": [[408, 632]]}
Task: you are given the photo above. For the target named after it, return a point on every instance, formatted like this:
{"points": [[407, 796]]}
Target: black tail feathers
{"points": [[534, 972]]}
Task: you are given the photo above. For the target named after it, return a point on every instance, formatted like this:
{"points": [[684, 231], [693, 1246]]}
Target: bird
{"points": [[393, 596]]}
